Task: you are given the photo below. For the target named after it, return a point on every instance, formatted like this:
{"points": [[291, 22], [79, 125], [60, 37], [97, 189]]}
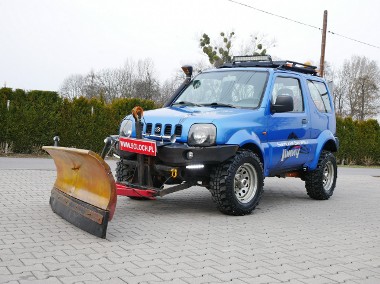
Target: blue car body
{"points": [[284, 141]]}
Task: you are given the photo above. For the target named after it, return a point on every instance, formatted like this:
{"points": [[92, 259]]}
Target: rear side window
{"points": [[318, 92]]}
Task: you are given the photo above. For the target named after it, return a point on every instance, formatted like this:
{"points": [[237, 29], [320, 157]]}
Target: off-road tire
{"points": [[229, 180], [321, 182], [126, 173]]}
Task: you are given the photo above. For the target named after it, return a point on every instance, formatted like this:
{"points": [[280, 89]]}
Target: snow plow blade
{"points": [[84, 192]]}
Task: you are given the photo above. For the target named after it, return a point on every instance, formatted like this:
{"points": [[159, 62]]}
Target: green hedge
{"points": [[35, 117], [359, 141]]}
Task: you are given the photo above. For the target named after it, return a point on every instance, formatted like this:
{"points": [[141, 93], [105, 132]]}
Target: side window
{"points": [[318, 92], [290, 87]]}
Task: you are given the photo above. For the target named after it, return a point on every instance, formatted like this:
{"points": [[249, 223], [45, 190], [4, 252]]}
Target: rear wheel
{"points": [[237, 185], [320, 183]]}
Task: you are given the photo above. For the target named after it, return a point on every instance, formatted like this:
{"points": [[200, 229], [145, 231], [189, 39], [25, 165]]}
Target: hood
{"points": [[185, 115], [178, 120]]}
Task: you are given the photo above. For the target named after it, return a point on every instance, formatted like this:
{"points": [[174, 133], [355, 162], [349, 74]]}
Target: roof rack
{"points": [[267, 62], [296, 66]]}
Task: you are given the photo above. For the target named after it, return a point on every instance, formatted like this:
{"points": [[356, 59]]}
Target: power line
{"points": [[346, 37], [301, 23]]}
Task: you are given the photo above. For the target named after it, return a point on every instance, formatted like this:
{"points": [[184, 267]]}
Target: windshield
{"points": [[225, 89]]}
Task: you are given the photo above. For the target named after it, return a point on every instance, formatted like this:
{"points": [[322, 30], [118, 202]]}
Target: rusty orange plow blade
{"points": [[84, 192]]}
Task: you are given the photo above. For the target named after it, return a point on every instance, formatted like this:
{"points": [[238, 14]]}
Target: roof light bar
{"points": [[252, 58]]}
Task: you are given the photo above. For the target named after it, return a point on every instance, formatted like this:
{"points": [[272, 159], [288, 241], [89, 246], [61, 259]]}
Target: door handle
{"points": [[304, 121]]}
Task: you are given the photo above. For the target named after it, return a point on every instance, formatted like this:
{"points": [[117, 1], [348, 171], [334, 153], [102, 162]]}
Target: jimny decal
{"points": [[293, 147], [292, 152]]}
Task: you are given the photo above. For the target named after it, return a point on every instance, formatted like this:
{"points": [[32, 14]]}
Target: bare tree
{"points": [[91, 87], [137, 80], [129, 76], [72, 86], [358, 87], [146, 85], [112, 83], [339, 92], [257, 44]]}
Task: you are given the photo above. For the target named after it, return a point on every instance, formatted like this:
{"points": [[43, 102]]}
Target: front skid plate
{"points": [[81, 214]]}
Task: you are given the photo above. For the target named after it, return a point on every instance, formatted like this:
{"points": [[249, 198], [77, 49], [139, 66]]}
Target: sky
{"points": [[45, 41]]}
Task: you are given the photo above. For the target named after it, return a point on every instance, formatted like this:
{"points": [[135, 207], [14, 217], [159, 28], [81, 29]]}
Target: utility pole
{"points": [[323, 45]]}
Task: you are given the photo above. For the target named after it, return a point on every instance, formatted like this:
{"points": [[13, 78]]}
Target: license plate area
{"points": [[139, 146]]}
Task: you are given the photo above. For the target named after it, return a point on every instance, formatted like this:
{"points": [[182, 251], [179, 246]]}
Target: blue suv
{"points": [[227, 129]]}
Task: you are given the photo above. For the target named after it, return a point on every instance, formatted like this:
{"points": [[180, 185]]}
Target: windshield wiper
{"points": [[218, 105], [185, 103]]}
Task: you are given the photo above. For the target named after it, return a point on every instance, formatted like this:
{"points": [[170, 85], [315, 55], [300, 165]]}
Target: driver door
{"points": [[288, 132]]}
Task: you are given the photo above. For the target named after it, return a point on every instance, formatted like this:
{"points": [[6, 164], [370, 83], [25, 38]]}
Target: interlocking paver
{"points": [[56, 266], [146, 270], [42, 260], [285, 276], [341, 277], [56, 273], [260, 279], [318, 279], [206, 278], [50, 280], [17, 277], [27, 268], [182, 238], [4, 271], [78, 278], [363, 273], [173, 281], [202, 271], [168, 276], [114, 281], [119, 266], [370, 280], [230, 275], [108, 276], [141, 278]]}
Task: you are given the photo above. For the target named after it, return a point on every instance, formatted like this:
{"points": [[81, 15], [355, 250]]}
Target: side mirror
{"points": [[284, 103]]}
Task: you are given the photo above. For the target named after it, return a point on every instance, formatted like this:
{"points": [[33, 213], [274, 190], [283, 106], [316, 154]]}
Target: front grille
{"points": [[148, 129], [178, 130], [168, 129], [165, 130], [158, 128]]}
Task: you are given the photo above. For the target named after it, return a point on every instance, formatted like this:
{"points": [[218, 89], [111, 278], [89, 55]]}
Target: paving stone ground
{"points": [[182, 238]]}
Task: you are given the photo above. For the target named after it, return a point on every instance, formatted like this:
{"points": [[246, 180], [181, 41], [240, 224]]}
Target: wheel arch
{"points": [[248, 140], [326, 142], [330, 146], [255, 149]]}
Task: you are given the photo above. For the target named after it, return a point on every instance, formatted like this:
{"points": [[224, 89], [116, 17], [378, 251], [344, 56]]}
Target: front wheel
{"points": [[237, 184], [320, 183], [127, 173]]}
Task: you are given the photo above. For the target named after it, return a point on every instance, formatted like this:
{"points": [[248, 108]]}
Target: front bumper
{"points": [[175, 154]]}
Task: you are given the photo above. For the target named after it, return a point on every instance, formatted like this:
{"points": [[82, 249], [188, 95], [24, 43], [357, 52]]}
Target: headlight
{"points": [[202, 135], [126, 128]]}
